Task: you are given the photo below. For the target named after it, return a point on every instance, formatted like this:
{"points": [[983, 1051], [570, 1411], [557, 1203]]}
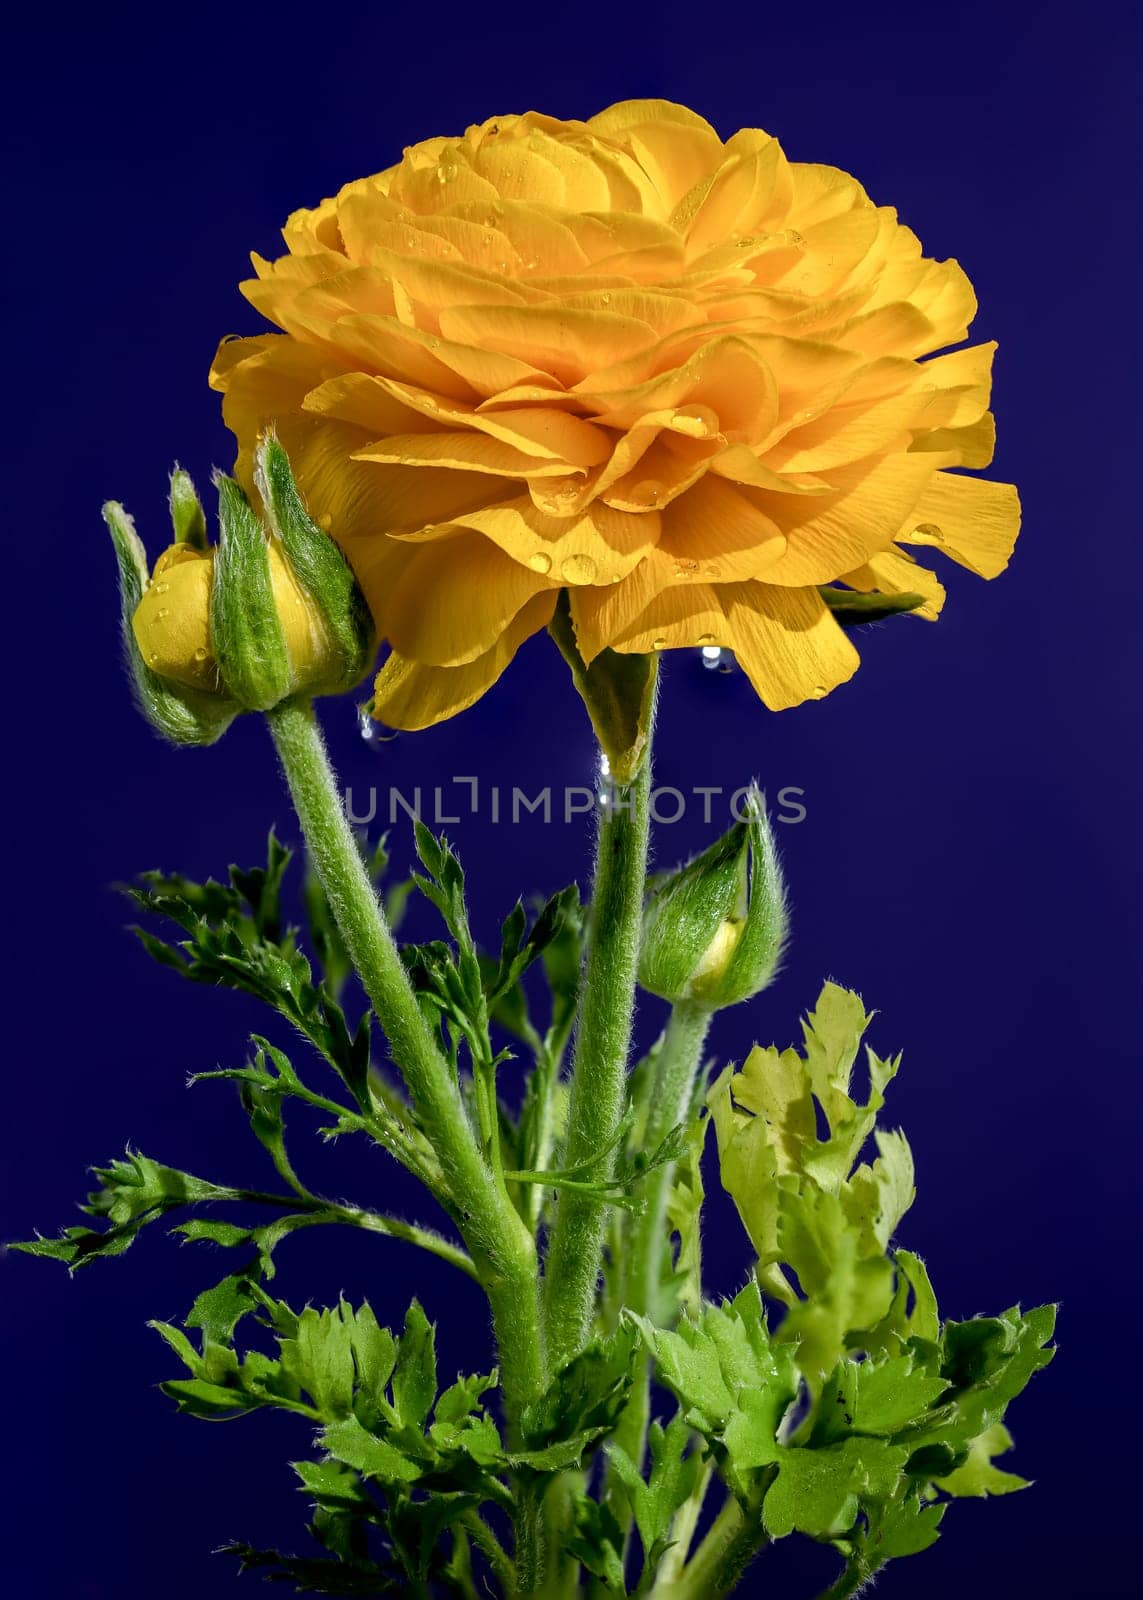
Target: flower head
{"points": [[682, 378]]}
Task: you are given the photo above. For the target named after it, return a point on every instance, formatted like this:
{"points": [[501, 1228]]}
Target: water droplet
{"points": [[201, 653], [685, 569], [658, 644], [605, 299], [325, 521], [153, 657], [927, 530], [162, 612], [541, 562], [794, 236], [647, 493], [706, 638], [161, 588], [446, 172], [711, 655], [374, 733], [578, 569]]}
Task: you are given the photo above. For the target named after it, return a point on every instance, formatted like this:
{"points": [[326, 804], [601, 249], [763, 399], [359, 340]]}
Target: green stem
{"points": [[599, 1075], [851, 1582], [721, 1559], [498, 1558], [502, 1249], [668, 1097], [318, 1211]]}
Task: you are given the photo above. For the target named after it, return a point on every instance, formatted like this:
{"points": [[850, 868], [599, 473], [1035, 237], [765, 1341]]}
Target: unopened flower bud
{"points": [[216, 630], [713, 931]]}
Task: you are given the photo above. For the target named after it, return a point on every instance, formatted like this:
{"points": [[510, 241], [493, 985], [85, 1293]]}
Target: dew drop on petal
{"points": [[161, 588], [541, 562], [201, 653], [711, 655], [658, 644], [928, 530], [578, 569]]}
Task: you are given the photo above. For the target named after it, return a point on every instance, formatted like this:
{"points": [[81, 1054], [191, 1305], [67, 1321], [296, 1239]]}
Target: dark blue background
{"points": [[968, 860]]}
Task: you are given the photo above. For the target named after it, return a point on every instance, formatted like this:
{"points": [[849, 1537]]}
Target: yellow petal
{"points": [[409, 694], [786, 640], [475, 590], [973, 521], [714, 533], [566, 344], [596, 546], [467, 451], [835, 533], [787, 643], [973, 446]]}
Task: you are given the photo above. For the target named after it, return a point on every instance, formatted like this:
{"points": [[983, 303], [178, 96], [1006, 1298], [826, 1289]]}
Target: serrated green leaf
{"points": [[349, 1442], [414, 1382], [978, 1477]]}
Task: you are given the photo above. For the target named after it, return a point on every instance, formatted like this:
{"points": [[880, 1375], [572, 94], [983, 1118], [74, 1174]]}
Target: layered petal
{"points": [[688, 380]]}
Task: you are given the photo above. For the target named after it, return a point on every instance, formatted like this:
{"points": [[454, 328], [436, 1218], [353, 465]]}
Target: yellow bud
{"points": [[172, 621]]}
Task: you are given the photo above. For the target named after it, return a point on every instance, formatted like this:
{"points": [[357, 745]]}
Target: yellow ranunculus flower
{"points": [[680, 377]]}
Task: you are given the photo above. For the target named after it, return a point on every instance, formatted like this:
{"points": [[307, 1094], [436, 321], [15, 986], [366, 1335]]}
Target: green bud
{"points": [[318, 566], [714, 930], [245, 628], [181, 713]]}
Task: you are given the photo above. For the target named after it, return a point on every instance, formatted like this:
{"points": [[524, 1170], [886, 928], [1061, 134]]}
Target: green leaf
{"points": [[818, 1492], [800, 1196], [319, 1358], [415, 1377], [347, 1441], [588, 1394], [672, 1478], [733, 1382], [977, 1477]]}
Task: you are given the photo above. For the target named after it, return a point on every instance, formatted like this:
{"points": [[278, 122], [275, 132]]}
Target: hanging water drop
{"points": [[374, 733], [711, 657]]}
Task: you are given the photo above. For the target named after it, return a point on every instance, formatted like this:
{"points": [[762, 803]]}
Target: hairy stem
{"points": [[720, 1560], [599, 1075], [851, 1582], [503, 1251], [668, 1097]]}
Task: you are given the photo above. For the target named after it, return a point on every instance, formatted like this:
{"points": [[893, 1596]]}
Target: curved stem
{"points": [[851, 1582], [599, 1076], [668, 1098], [502, 1248]]}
